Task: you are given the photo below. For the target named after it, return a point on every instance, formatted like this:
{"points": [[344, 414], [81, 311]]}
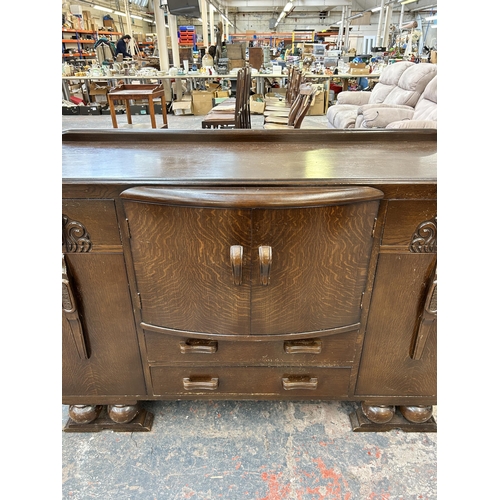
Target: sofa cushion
{"points": [[412, 84], [389, 78], [426, 108], [413, 124]]}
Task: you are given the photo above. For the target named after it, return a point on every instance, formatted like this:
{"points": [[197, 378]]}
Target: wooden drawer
{"points": [[256, 382], [404, 218], [322, 351], [91, 223]]}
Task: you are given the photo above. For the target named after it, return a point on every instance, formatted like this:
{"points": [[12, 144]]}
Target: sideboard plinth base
{"points": [[360, 423], [143, 422]]}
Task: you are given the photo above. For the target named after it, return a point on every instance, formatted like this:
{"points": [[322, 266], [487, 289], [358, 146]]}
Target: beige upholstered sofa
{"points": [[400, 84], [424, 115]]}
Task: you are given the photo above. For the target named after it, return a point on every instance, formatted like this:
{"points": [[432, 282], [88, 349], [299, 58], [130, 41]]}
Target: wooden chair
{"points": [[229, 113], [294, 82], [283, 113], [298, 111]]}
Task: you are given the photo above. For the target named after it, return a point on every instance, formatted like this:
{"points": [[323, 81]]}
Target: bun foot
{"points": [[118, 418], [84, 414], [123, 414], [416, 414], [378, 414]]}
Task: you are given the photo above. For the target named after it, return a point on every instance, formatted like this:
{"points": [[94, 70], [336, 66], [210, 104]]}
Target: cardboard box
{"points": [[235, 63], [319, 105], [182, 108], [357, 65], [202, 101], [235, 50], [359, 71], [222, 93], [98, 88], [257, 104]]}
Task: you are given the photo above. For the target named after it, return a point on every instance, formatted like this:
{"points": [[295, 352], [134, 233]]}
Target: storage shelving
{"points": [[81, 42]]}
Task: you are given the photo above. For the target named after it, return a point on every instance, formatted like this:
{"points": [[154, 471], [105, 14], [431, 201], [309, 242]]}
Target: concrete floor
{"points": [[190, 122], [234, 450]]}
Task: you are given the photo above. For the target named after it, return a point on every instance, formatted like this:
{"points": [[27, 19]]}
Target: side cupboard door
{"points": [[190, 264]]}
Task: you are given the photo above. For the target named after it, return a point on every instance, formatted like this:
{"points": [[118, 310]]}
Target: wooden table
{"points": [[345, 77], [249, 264], [133, 92]]}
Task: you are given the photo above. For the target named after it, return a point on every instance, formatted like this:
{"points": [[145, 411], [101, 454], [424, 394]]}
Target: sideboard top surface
{"points": [[249, 156]]}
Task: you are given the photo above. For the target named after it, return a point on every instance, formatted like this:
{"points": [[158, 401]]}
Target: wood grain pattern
{"points": [[250, 381], [312, 197], [336, 350], [386, 367], [183, 268], [402, 219], [99, 219], [114, 367], [320, 263], [348, 157]]}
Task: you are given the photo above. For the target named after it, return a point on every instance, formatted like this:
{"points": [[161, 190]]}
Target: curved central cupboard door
{"points": [[251, 261]]}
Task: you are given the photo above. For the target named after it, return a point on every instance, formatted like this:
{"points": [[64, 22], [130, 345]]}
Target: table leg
{"points": [[129, 114], [164, 111], [152, 112], [112, 111]]}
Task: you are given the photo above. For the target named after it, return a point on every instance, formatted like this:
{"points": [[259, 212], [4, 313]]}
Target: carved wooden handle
{"points": [[299, 382], [429, 316], [236, 256], [70, 309], [265, 261], [196, 346], [204, 384], [309, 346]]}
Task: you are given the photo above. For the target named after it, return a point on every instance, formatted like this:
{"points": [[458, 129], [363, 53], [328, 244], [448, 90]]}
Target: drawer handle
{"points": [[299, 382], [236, 256], [70, 309], [265, 261], [198, 346], [309, 346], [200, 383]]}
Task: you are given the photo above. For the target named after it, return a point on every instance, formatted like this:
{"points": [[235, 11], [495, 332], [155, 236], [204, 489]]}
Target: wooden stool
{"points": [[132, 92]]}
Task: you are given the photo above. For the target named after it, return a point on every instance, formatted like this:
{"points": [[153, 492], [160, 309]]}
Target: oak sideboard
{"points": [[249, 264]]}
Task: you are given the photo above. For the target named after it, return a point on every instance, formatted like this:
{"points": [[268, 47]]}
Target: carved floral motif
{"points": [[75, 236], [424, 239]]}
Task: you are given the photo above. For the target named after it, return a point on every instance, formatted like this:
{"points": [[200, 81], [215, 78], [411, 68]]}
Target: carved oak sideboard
{"points": [[249, 264]]}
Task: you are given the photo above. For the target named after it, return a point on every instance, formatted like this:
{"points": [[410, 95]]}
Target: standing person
{"points": [[122, 46]]}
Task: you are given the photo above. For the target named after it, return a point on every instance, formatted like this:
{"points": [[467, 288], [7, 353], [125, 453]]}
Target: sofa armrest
{"points": [[352, 97], [380, 117], [413, 124]]}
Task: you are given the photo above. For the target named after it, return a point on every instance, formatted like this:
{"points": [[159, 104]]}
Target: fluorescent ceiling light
{"points": [[105, 9], [434, 25], [376, 9], [431, 18], [407, 1], [288, 7], [427, 7], [118, 13], [136, 17]]}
